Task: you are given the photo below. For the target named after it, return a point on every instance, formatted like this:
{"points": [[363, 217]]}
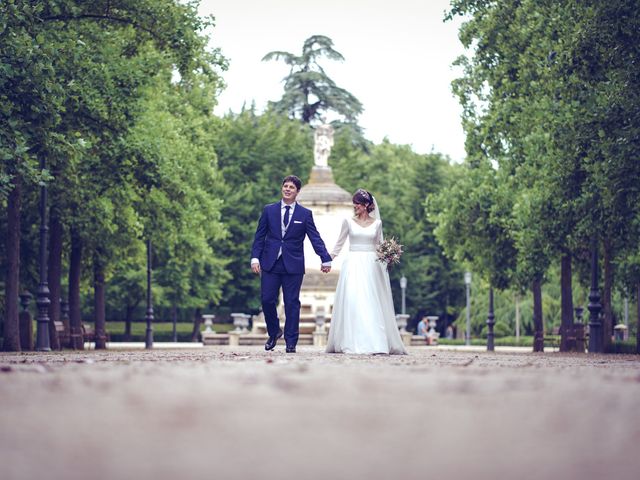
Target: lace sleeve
{"points": [[344, 232]]}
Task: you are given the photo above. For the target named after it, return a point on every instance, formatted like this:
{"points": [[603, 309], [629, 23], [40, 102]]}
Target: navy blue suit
{"points": [[287, 270]]}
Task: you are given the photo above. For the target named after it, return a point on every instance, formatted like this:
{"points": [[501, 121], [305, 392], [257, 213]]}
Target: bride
{"points": [[363, 318]]}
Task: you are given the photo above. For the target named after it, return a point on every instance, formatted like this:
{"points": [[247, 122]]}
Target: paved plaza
{"points": [[243, 413]]}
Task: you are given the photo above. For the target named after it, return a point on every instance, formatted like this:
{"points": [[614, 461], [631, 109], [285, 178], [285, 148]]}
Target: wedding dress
{"points": [[363, 317]]}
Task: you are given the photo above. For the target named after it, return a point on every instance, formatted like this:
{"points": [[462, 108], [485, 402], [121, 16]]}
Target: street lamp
{"points": [[148, 341], [403, 286], [467, 282], [490, 322], [43, 301], [595, 325]]}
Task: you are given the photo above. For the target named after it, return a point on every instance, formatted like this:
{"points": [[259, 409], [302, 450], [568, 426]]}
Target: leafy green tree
{"points": [[29, 106], [475, 225], [254, 153], [309, 93], [85, 92], [537, 88], [181, 209]]}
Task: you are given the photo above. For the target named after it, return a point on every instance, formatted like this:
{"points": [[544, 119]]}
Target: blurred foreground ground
{"points": [[243, 413]]}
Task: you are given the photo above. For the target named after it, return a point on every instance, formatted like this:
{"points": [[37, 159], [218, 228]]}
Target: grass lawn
{"points": [[162, 331], [139, 328]]}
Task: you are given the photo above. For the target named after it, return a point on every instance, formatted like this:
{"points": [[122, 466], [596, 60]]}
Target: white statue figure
{"points": [[323, 144]]}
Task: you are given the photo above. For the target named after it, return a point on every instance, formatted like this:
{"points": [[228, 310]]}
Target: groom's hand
{"points": [[325, 269], [255, 268]]}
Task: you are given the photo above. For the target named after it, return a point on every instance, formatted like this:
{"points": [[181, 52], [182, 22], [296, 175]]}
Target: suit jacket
{"points": [[269, 239]]}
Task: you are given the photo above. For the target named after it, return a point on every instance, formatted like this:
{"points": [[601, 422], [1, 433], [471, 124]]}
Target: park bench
{"points": [[553, 340], [63, 334], [89, 333]]}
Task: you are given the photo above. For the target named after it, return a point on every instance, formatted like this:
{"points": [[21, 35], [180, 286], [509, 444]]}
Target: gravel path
{"points": [[243, 413]]}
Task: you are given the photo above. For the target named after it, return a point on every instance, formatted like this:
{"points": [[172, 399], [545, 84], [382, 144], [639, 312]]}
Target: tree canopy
{"points": [[309, 93]]}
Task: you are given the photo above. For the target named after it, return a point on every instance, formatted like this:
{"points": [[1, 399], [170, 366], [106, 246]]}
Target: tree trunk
{"points": [[128, 318], [75, 269], [567, 334], [99, 303], [11, 320], [517, 303], [607, 318], [638, 318], [197, 321], [538, 324], [54, 277], [174, 317]]}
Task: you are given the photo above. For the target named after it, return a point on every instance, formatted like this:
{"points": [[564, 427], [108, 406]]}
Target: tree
{"points": [[180, 207], [309, 93], [254, 153], [70, 95], [29, 106], [474, 224], [536, 90]]}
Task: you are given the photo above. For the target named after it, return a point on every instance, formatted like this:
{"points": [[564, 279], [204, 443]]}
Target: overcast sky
{"points": [[398, 57]]}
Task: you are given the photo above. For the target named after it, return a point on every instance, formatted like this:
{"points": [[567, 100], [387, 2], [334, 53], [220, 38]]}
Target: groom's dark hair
{"points": [[293, 179]]}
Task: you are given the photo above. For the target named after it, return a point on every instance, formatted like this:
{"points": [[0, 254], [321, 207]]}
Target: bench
{"points": [[553, 340], [63, 334], [89, 333]]}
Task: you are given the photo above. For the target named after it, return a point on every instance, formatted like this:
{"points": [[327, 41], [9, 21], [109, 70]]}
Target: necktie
{"points": [[286, 215]]}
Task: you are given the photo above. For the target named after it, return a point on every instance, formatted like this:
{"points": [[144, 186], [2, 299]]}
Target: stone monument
{"points": [[323, 142], [330, 204]]}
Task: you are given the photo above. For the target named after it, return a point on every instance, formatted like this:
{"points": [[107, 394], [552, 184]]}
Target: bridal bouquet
{"points": [[389, 252]]}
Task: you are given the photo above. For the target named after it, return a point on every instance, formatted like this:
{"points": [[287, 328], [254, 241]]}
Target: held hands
{"points": [[327, 268]]}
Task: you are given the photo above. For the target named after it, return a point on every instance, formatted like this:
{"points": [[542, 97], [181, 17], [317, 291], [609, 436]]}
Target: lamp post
{"points": [[148, 341], [43, 301], [174, 315], [467, 283], [24, 319], [490, 322], [626, 308], [595, 326], [403, 286]]}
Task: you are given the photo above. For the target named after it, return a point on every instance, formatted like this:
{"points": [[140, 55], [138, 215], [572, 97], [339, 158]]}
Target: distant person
{"points": [[423, 327], [448, 332]]}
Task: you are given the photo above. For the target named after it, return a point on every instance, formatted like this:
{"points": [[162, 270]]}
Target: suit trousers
{"points": [[270, 282]]}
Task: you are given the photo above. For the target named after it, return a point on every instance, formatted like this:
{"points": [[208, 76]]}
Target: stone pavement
{"points": [[243, 413]]}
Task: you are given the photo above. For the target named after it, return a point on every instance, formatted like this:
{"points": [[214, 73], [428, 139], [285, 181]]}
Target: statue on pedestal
{"points": [[323, 143]]}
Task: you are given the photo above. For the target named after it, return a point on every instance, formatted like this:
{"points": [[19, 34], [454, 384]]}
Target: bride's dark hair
{"points": [[362, 197]]}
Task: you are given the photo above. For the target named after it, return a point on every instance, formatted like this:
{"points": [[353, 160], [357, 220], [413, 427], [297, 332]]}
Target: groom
{"points": [[278, 254]]}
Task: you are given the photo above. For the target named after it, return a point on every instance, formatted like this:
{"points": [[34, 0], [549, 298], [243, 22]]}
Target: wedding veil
{"points": [[376, 211]]}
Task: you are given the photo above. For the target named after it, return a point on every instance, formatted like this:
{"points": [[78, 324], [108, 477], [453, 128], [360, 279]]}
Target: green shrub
{"points": [[626, 347], [500, 329], [502, 342]]}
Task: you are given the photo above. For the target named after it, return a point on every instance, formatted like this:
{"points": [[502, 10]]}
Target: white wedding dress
{"points": [[363, 317]]}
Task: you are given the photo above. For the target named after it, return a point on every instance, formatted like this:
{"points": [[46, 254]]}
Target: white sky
{"points": [[398, 57]]}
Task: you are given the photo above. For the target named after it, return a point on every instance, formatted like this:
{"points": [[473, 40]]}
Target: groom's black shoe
{"points": [[271, 342], [291, 349]]}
